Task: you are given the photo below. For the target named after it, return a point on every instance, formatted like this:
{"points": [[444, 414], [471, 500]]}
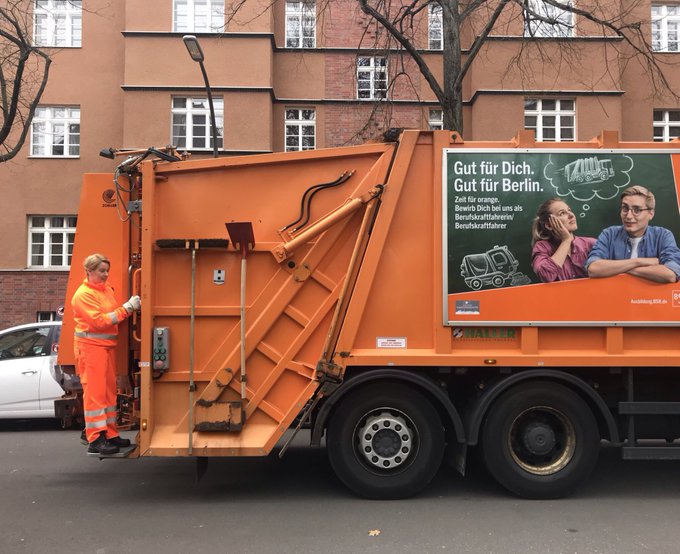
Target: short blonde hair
{"points": [[637, 190], [93, 260]]}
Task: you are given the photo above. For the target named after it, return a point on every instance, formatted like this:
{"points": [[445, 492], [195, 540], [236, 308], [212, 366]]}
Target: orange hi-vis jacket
{"points": [[96, 313]]}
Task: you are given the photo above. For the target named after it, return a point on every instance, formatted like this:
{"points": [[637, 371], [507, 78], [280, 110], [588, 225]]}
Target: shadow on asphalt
{"points": [[23, 425], [303, 473]]}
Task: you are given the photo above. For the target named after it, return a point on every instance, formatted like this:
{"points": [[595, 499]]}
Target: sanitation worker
{"points": [[97, 314]]}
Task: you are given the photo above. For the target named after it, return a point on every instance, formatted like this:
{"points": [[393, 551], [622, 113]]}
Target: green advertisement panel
{"points": [[491, 199]]}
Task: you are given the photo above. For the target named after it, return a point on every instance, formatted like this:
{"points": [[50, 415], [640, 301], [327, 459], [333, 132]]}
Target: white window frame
{"points": [[198, 16], [435, 119], [51, 233], [301, 24], [300, 124], [54, 128], [558, 115], [563, 28], [435, 27], [666, 27], [58, 23], [368, 67], [190, 113], [666, 125]]}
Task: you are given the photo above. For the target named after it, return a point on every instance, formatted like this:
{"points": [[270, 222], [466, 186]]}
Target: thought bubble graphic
{"points": [[588, 177]]}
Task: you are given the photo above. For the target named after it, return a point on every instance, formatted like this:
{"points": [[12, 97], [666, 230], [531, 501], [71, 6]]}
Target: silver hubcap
{"points": [[385, 440]]}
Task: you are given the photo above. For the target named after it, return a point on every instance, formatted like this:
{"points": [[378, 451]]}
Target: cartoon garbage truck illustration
{"points": [[497, 267]]}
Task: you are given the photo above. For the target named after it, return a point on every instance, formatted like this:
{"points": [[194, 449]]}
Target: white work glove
{"points": [[133, 304]]}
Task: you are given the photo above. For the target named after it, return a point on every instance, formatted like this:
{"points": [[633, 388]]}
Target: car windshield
{"points": [[23, 343]]}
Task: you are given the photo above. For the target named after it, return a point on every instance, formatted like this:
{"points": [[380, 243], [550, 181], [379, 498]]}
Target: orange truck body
{"points": [[354, 304]]}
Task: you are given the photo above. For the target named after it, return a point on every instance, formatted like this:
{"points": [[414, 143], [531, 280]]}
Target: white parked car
{"points": [[29, 375]]}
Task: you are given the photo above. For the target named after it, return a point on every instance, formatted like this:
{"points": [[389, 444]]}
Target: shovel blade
{"points": [[241, 235]]}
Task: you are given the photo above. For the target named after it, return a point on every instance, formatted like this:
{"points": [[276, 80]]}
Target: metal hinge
{"points": [[134, 206]]}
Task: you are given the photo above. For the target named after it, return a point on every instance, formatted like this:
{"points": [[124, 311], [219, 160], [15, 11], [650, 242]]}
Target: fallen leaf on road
{"points": [[374, 532]]}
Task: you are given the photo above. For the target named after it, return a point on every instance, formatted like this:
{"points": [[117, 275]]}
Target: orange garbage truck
{"points": [[333, 290]]}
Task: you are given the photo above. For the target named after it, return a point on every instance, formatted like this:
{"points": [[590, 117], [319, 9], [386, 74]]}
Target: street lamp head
{"points": [[109, 153], [194, 48]]}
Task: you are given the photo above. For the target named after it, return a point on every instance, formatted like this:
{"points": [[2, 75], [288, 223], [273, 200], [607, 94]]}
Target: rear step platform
{"points": [[122, 453]]}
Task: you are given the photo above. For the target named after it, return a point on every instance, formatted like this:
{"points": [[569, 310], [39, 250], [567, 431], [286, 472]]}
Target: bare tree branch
{"points": [[24, 71]]}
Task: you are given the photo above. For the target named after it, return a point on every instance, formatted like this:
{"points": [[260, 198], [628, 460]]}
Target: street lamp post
{"points": [[196, 53]]}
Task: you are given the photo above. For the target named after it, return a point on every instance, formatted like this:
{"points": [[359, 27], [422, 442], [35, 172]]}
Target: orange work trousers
{"points": [[96, 367]]}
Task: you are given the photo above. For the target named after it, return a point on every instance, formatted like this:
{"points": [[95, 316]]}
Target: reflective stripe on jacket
{"points": [[96, 313]]}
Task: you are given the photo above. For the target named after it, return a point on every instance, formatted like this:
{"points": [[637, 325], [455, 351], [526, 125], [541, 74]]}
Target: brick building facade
{"points": [[287, 75]]}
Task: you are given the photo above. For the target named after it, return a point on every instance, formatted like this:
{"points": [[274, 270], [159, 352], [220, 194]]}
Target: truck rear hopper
{"points": [[346, 325]]}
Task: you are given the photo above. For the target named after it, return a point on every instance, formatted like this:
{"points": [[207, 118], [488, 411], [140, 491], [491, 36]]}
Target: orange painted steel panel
{"points": [[289, 299]]}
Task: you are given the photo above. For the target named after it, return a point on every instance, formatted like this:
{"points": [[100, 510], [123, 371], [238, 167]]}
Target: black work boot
{"points": [[101, 446], [83, 438], [120, 442]]}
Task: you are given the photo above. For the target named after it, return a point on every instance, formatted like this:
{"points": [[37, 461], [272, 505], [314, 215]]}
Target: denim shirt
{"points": [[657, 242]]}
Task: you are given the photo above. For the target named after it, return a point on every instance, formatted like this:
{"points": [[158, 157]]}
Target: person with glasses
{"points": [[636, 247], [557, 254]]}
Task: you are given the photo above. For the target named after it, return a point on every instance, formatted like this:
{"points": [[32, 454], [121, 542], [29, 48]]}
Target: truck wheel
{"points": [[540, 440], [498, 281], [385, 442]]}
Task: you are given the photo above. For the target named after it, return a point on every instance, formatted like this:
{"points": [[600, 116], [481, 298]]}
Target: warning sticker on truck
{"points": [[500, 243], [390, 342]]}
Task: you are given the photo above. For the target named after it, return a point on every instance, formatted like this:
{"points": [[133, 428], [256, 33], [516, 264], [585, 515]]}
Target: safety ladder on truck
{"points": [[648, 450]]}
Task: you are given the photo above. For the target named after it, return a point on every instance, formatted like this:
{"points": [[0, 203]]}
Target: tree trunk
{"points": [[452, 107]]}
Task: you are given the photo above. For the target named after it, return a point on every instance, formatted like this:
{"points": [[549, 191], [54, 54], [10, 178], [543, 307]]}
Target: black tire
{"points": [[497, 281], [385, 441], [540, 440]]}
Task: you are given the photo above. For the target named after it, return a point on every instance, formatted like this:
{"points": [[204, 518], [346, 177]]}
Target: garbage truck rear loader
{"points": [[324, 288]]}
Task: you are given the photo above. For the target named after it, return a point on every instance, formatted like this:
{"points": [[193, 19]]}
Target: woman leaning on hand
{"points": [[97, 314], [557, 253]]}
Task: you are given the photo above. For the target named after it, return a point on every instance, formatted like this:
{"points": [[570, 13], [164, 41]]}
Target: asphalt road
{"points": [[55, 499]]}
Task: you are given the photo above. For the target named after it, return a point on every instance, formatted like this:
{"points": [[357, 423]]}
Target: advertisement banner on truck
{"points": [[500, 245]]}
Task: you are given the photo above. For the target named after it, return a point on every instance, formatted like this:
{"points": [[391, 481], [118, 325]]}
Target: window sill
{"points": [[30, 157], [57, 47]]}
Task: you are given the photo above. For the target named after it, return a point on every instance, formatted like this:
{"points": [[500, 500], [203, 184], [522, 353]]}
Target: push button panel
{"points": [[161, 348]]}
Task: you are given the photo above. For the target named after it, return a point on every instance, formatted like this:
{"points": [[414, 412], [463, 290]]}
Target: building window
{"points": [[434, 27], [51, 240], [300, 24], [55, 131], [665, 28], [371, 78], [58, 23], [45, 316], [300, 129], [666, 125], [436, 120], [551, 119], [191, 127], [548, 21], [198, 16]]}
